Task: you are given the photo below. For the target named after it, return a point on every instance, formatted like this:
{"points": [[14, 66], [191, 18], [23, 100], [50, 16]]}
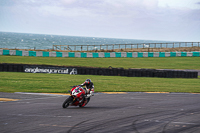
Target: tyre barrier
{"points": [[164, 73], [4, 67]]}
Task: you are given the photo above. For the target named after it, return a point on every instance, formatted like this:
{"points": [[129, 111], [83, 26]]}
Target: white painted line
{"points": [[184, 123], [44, 94], [24, 115]]}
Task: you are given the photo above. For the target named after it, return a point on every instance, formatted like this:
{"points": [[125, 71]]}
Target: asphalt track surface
{"points": [[105, 113]]}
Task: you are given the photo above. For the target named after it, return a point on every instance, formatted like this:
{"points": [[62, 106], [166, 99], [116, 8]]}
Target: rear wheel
{"points": [[66, 102]]}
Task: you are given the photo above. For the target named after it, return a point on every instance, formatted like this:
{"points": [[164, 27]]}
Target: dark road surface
{"points": [[105, 113]]}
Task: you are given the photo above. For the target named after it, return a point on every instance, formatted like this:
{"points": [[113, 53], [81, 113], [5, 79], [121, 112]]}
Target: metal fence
{"points": [[124, 46]]}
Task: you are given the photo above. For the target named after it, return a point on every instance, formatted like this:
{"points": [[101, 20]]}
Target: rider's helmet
{"points": [[87, 81]]}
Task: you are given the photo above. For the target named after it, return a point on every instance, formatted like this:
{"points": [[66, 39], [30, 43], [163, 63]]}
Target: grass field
{"points": [[59, 83], [151, 63]]}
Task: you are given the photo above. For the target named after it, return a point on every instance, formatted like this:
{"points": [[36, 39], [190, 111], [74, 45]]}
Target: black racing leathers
{"points": [[88, 86]]}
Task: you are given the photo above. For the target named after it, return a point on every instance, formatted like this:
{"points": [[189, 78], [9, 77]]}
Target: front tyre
{"points": [[66, 102], [82, 105]]}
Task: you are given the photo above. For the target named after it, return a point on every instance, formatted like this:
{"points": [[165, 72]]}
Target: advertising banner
{"points": [[50, 69]]}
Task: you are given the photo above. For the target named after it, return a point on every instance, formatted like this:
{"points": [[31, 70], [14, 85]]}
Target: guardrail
{"points": [[125, 46]]}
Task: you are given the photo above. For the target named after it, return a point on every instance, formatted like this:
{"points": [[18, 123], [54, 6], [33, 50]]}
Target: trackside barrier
{"points": [[5, 67], [99, 54]]}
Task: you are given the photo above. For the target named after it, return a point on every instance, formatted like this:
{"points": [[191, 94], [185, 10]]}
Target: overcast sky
{"points": [[170, 20]]}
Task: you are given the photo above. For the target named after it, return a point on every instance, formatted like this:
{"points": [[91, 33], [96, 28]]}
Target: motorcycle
{"points": [[76, 97]]}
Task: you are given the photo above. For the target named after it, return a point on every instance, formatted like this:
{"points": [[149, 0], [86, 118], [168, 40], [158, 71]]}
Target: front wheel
{"points": [[66, 102], [87, 101]]}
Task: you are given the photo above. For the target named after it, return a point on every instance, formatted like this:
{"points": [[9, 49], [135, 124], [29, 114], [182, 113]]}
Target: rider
{"points": [[89, 89]]}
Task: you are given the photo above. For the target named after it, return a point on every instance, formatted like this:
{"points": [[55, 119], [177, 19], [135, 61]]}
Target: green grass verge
{"points": [[150, 63], [59, 83], [29, 82]]}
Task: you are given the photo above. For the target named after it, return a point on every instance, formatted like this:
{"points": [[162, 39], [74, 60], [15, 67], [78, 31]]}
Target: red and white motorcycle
{"points": [[76, 97]]}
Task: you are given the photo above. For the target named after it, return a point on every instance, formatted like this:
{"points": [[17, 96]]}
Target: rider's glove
{"points": [[92, 93]]}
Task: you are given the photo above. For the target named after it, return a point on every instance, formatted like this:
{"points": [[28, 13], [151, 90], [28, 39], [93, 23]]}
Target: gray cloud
{"points": [[134, 19]]}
